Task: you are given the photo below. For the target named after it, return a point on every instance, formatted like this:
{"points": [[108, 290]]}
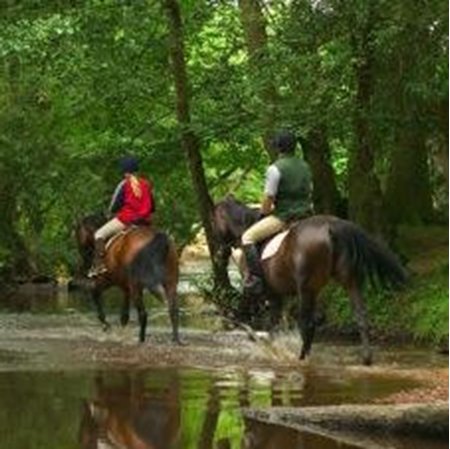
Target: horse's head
{"points": [[232, 218], [84, 234]]}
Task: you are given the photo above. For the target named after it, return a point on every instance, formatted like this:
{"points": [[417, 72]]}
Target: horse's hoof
{"points": [[367, 360], [106, 327], [304, 361]]}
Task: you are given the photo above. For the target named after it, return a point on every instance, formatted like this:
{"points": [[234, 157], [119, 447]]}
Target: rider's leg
{"points": [[259, 231], [237, 256], [101, 235]]}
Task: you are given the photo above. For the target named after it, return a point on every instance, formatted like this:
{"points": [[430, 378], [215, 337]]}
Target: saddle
{"points": [[270, 246], [127, 230]]}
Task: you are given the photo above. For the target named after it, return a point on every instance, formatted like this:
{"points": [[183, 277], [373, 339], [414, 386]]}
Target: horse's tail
{"points": [[365, 258], [148, 266]]}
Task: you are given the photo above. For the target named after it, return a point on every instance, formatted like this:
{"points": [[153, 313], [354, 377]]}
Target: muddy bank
{"points": [[361, 424], [75, 340]]}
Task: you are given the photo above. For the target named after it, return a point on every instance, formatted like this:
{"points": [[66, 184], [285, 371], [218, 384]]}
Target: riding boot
{"points": [[253, 283], [98, 266]]}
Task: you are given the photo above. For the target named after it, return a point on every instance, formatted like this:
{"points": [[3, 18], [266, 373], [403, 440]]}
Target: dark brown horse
{"points": [[137, 259], [315, 251]]}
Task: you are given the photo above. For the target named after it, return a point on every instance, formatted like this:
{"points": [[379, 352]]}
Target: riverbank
{"points": [[365, 426]]}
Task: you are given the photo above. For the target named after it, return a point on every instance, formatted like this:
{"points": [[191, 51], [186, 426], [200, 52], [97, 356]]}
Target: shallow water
{"points": [[46, 404], [158, 408]]}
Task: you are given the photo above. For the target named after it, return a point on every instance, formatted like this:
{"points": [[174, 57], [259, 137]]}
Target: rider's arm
{"points": [[273, 176], [267, 205], [117, 198]]}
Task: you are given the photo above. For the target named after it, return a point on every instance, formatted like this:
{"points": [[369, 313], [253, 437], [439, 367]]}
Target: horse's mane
{"points": [[84, 230], [94, 220], [239, 216], [240, 212]]}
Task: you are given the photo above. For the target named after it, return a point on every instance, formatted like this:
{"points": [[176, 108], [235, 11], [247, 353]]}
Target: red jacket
{"points": [[133, 205]]}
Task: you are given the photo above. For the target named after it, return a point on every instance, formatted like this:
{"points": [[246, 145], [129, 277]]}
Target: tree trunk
{"points": [[254, 25], [442, 119], [191, 143], [408, 193], [365, 196], [20, 264], [326, 197]]}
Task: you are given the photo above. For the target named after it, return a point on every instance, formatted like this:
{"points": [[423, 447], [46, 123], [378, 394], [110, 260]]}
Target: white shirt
{"points": [[273, 177]]}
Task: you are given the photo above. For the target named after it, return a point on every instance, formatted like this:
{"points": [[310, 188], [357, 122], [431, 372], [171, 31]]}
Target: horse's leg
{"points": [[174, 315], [169, 295], [142, 313], [360, 312], [125, 310], [97, 298], [306, 321], [245, 309], [276, 309]]}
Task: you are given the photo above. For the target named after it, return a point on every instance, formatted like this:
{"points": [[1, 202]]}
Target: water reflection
{"points": [[155, 410], [126, 414], [170, 409], [158, 409]]}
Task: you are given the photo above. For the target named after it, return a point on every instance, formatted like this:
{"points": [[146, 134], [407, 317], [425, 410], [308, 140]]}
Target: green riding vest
{"points": [[293, 198]]}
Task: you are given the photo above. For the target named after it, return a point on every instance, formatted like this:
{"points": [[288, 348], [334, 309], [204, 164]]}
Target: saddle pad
{"points": [[119, 234], [273, 245]]}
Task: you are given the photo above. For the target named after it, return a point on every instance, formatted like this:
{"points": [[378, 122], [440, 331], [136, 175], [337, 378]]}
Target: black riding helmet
{"points": [[128, 164], [284, 141]]}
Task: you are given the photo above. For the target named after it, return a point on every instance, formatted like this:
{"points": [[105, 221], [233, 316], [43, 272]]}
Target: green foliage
{"points": [[82, 84], [421, 310], [429, 311]]}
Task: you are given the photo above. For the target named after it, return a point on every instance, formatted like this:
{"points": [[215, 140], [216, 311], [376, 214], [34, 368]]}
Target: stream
{"points": [[66, 384]]}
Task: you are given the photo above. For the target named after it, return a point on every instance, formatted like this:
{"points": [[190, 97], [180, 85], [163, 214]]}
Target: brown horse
{"points": [[126, 413], [315, 251], [136, 259]]}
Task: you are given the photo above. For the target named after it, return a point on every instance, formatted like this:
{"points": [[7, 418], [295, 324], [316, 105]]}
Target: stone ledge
{"points": [[361, 424]]}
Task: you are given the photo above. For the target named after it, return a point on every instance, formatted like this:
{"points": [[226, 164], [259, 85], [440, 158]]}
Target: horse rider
{"points": [[131, 203], [287, 197]]}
